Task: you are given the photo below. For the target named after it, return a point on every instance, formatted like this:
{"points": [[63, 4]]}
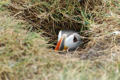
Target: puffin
{"points": [[68, 40]]}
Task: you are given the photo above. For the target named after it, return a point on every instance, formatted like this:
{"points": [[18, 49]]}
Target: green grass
{"points": [[24, 53]]}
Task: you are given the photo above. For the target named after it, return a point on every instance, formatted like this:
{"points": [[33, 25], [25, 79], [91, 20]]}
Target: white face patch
{"points": [[69, 41], [59, 35]]}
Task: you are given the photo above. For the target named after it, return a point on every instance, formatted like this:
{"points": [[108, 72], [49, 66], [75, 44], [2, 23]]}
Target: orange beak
{"points": [[58, 44]]}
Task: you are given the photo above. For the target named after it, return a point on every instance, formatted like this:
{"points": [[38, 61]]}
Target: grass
{"points": [[23, 49]]}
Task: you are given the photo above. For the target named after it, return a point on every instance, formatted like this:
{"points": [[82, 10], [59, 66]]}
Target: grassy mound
{"points": [[54, 15], [24, 53]]}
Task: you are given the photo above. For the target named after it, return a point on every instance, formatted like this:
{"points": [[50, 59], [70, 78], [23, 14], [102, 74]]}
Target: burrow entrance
{"points": [[51, 16]]}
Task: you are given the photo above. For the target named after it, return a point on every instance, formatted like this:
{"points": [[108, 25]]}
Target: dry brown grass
{"points": [[54, 15], [24, 53]]}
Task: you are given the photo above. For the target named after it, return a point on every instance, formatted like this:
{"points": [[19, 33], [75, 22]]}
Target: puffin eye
{"points": [[75, 39]]}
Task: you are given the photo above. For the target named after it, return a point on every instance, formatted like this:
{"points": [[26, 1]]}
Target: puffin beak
{"points": [[60, 44]]}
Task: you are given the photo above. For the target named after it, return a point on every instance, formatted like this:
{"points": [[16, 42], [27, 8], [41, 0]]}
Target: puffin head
{"points": [[68, 42]]}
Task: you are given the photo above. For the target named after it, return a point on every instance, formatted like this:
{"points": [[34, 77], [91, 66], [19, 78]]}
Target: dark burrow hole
{"points": [[52, 33], [54, 36]]}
